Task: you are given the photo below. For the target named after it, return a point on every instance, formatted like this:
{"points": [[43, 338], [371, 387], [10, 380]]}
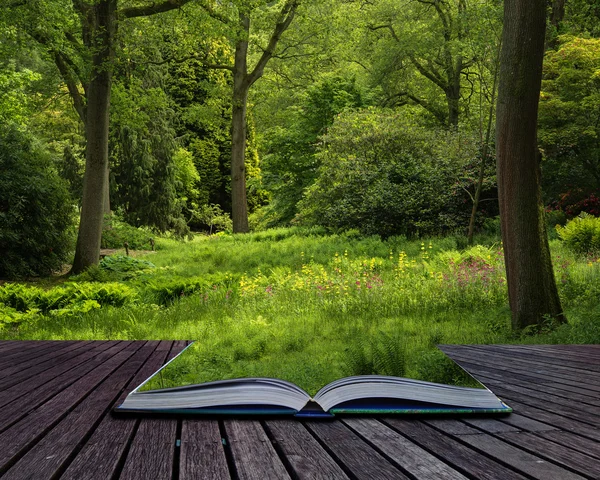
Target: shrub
{"points": [[116, 232], [383, 174], [581, 234], [36, 214]]}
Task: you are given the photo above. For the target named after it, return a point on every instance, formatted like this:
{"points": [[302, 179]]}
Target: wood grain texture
{"points": [[253, 455], [359, 458], [410, 457], [101, 456], [49, 455], [202, 451], [307, 458]]}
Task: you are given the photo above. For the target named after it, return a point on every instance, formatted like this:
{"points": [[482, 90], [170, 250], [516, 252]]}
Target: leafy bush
{"points": [[116, 232], [24, 298], [36, 215], [122, 264], [383, 174], [581, 234]]}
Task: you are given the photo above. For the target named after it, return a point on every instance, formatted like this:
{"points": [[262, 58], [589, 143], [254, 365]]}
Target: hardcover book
{"points": [[172, 390]]}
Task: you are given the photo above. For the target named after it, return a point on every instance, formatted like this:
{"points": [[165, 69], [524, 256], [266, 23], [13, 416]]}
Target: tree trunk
{"points": [[239, 204], [532, 288], [87, 252]]}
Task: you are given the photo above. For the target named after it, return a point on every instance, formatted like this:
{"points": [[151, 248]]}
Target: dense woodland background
{"points": [[375, 115]]}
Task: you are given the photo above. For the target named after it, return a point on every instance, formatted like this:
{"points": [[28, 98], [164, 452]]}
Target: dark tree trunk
{"points": [[239, 204], [102, 18], [531, 285]]}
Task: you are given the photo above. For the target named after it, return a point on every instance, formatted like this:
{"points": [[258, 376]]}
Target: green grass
{"points": [[304, 305]]}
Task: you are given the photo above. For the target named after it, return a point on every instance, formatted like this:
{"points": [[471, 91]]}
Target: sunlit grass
{"points": [[307, 306]]}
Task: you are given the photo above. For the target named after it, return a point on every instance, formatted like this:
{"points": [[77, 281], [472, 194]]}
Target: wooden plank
{"points": [[103, 453], [404, 453], [526, 424], [37, 378], [202, 453], [253, 455], [540, 376], [568, 411], [152, 451], [306, 457], [160, 433], [22, 435], [583, 464], [21, 370], [578, 393], [49, 456], [556, 420], [29, 351], [574, 442], [453, 452], [549, 373], [12, 412], [532, 465], [357, 457], [546, 357]]}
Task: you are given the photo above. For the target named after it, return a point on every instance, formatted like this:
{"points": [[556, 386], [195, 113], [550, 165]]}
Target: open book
{"points": [[364, 394]]}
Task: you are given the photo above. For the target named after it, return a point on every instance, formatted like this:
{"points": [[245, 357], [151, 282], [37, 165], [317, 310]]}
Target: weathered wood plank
{"points": [[526, 424], [67, 362], [12, 412], [253, 455], [102, 453], [404, 453], [49, 456], [202, 453], [152, 451], [552, 373], [31, 351], [553, 452], [357, 456], [22, 435], [161, 433], [453, 452], [307, 458], [574, 442], [24, 370]]}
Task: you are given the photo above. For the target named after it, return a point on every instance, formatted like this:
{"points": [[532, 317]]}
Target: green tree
{"points": [[569, 118], [289, 164], [275, 18], [532, 288], [80, 37], [382, 173], [36, 216]]}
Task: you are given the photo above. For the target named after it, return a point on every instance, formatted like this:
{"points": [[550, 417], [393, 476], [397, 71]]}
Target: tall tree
{"points": [[79, 36], [243, 79], [532, 288]]}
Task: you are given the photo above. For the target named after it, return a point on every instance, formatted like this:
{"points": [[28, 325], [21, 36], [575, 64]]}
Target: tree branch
{"points": [[430, 74], [216, 15], [286, 17], [152, 8], [387, 27]]}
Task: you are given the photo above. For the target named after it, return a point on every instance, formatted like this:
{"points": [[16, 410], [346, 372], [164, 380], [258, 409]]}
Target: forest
{"points": [[252, 170]]}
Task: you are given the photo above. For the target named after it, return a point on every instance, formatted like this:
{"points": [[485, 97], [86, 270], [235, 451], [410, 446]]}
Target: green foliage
{"points": [[569, 131], [214, 218], [581, 234], [116, 232], [142, 159], [383, 174], [380, 354], [20, 303], [36, 216], [290, 164]]}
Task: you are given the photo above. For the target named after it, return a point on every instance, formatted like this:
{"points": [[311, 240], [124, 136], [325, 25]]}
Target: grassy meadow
{"points": [[303, 305]]}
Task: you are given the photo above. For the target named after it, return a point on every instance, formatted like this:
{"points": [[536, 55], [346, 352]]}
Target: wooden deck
{"points": [[55, 422]]}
